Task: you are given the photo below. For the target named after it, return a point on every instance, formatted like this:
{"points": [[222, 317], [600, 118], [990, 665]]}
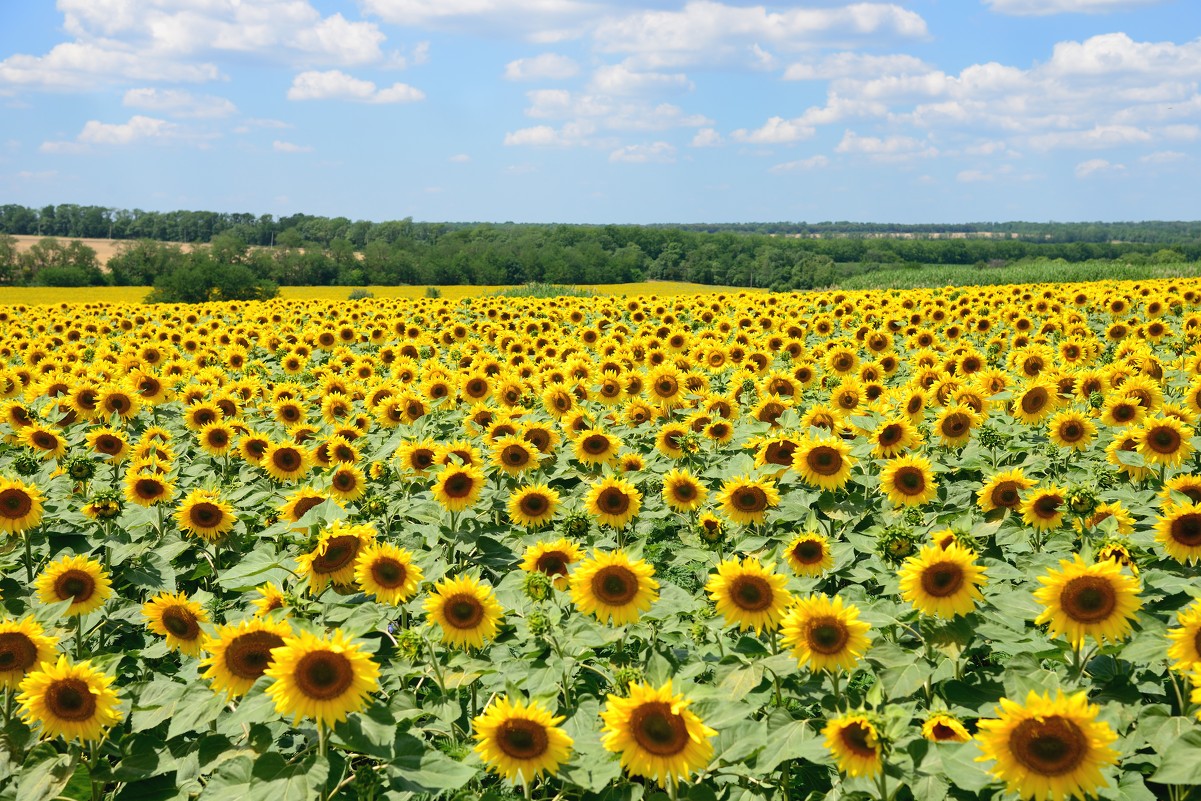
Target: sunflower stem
{"points": [[28, 555], [322, 742], [834, 677], [79, 636], [1176, 689], [882, 783]]}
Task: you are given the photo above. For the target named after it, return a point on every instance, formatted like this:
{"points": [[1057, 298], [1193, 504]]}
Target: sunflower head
{"points": [[613, 587], [72, 701], [23, 647], [323, 678], [854, 740], [520, 741], [80, 580], [466, 610], [656, 734], [178, 619]]}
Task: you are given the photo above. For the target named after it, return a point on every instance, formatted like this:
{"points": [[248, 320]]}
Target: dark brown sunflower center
{"points": [[666, 387], [149, 488], [615, 585], [76, 584], [70, 700], [515, 456], [552, 563], [659, 730], [826, 635], [808, 552], [890, 435], [779, 453], [534, 504], [683, 491], [1048, 746], [857, 738], [955, 425], [1006, 494], [45, 440], [338, 553], [942, 579], [17, 652], [613, 501], [463, 611], [749, 499], [1088, 599], [389, 573], [522, 739], [1125, 412], [345, 480], [1047, 506], [1186, 529], [15, 503], [1163, 439], [1034, 400], [181, 623], [108, 445], [942, 731], [1071, 431], [539, 439], [218, 438], [206, 515], [323, 675], [305, 504], [286, 459], [458, 485], [596, 444], [248, 655], [910, 481], [824, 460], [751, 593]]}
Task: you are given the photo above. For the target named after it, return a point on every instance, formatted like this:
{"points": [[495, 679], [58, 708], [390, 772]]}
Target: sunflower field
{"points": [[931, 544]]}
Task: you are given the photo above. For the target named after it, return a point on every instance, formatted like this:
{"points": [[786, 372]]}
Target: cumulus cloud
{"points": [[547, 66], [538, 20], [280, 146], [887, 148], [179, 103], [137, 130], [656, 152], [619, 79], [569, 135], [801, 165], [337, 85], [706, 137], [608, 112], [459, 158], [775, 131], [1097, 167], [850, 64], [1163, 157], [1046, 7]]}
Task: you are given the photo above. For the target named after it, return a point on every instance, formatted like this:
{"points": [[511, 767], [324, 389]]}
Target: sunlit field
{"points": [[43, 296], [925, 544]]}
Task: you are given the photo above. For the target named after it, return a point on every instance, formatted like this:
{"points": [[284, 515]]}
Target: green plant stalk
{"points": [[28, 555], [882, 783]]}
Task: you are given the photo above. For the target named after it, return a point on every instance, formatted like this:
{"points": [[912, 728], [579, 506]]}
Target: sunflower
{"points": [[746, 500], [777, 451], [457, 487], [109, 443], [908, 481], [1127, 442], [270, 598], [552, 559], [347, 482], [1186, 484], [682, 491], [1050, 747], [20, 506], [320, 678], [204, 514], [824, 462], [175, 617], [335, 555], [656, 734], [533, 506], [749, 594], [954, 425], [76, 578], [1185, 650], [300, 502], [520, 741], [514, 455], [943, 582], [47, 442], [1164, 441], [75, 702], [1121, 411], [466, 611], [854, 741], [809, 555], [1032, 405], [1081, 600], [286, 461], [1071, 430], [216, 438], [239, 654], [388, 573], [614, 501], [941, 727], [1179, 532], [594, 446], [825, 634], [417, 457], [23, 646], [1121, 516], [613, 587], [1043, 509], [893, 437]]}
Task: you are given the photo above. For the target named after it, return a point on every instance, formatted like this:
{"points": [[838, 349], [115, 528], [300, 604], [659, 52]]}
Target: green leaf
{"points": [[788, 739], [45, 778], [275, 779], [902, 682], [742, 681], [1181, 761]]}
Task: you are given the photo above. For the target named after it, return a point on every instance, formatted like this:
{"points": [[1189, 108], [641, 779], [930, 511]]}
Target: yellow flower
{"points": [[75, 702], [1071, 430], [749, 594], [552, 559], [458, 486], [1083, 600], [1043, 509], [1185, 650], [809, 554], [1049, 748], [23, 646], [943, 728], [178, 619], [824, 462], [204, 514], [656, 734], [466, 611], [335, 555], [825, 634], [614, 501], [76, 578], [520, 741], [533, 506], [855, 743], [613, 587], [908, 481], [682, 491], [1003, 490], [20, 506], [239, 654], [387, 572], [323, 678], [943, 582]]}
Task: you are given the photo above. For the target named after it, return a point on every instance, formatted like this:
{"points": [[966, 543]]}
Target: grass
{"points": [[1040, 272], [45, 296]]}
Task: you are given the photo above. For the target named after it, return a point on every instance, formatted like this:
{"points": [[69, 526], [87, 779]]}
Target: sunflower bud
{"points": [[408, 642], [623, 676], [1082, 500], [1096, 400], [896, 544], [536, 586], [79, 467], [27, 464], [104, 505], [575, 525], [538, 621]]}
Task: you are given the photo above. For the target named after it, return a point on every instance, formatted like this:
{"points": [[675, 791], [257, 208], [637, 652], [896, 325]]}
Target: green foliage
{"points": [[540, 290], [433, 292], [360, 294], [201, 279]]}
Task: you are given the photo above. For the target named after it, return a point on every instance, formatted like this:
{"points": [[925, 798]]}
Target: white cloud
{"points": [[855, 65], [1099, 136], [609, 112], [706, 137], [138, 128], [619, 79], [571, 134], [1162, 157], [775, 131], [62, 148], [547, 66], [75, 65], [179, 103], [1097, 167], [540, 20], [459, 158], [704, 31], [1045, 7], [337, 85], [889, 148], [656, 152], [290, 147], [811, 163]]}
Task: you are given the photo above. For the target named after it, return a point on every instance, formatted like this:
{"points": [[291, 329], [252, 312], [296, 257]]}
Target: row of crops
{"points": [[923, 545]]}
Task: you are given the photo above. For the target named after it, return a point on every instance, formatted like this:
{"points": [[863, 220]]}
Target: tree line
{"points": [[195, 248]]}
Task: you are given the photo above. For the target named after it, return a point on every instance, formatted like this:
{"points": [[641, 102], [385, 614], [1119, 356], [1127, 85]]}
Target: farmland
{"points": [[651, 543]]}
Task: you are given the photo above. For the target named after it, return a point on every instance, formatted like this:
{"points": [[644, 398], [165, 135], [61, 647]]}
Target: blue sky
{"points": [[598, 112]]}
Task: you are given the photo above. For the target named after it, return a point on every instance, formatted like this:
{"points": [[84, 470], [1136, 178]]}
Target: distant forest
{"points": [[308, 250]]}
